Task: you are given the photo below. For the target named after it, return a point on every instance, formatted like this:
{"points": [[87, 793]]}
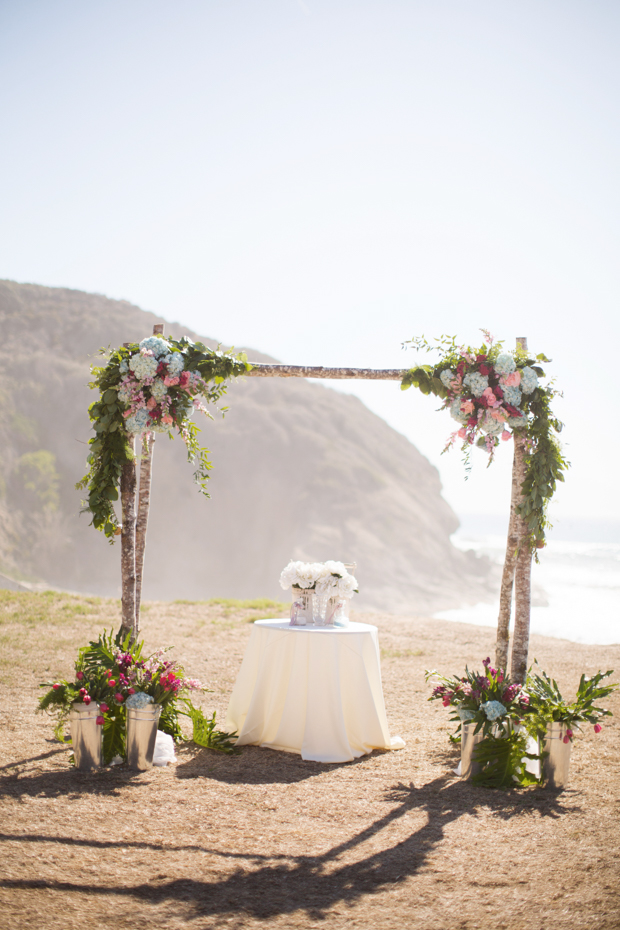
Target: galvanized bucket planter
{"points": [[469, 741], [86, 736], [141, 734], [555, 765]]}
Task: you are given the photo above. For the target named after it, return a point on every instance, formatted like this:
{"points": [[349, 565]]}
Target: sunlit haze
{"points": [[323, 180]]}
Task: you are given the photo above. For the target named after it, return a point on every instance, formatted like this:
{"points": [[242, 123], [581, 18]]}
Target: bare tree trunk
{"points": [[144, 500], [508, 574], [128, 549], [523, 578]]}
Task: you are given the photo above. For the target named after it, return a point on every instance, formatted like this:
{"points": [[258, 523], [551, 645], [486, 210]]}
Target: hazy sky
{"points": [[323, 180]]}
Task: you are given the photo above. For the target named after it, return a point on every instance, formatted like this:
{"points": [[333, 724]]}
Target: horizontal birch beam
{"points": [[261, 370]]}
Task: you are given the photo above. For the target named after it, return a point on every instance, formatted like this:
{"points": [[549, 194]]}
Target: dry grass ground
{"points": [[262, 838]]}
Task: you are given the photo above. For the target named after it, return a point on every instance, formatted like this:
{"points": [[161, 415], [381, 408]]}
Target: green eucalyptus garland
{"points": [[493, 394], [156, 386]]}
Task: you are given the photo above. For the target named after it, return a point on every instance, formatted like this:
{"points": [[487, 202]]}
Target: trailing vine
{"points": [[153, 386], [493, 394]]}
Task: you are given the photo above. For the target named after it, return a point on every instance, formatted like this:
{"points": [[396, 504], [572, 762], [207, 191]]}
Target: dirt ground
{"points": [[262, 838]]}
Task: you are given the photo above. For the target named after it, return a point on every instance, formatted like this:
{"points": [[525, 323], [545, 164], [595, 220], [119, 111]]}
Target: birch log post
{"points": [[144, 502], [508, 574], [128, 549], [523, 579]]}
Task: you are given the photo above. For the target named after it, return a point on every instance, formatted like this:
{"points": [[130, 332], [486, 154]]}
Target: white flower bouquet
{"points": [[330, 579]]}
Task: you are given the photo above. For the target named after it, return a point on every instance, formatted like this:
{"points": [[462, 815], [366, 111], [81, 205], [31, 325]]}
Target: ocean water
{"points": [[575, 587]]}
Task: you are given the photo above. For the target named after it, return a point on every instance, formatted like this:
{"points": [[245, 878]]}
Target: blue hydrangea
{"points": [[464, 714], [504, 364], [175, 363], [476, 383], [156, 345], [446, 377], [158, 390], [138, 700], [493, 710], [492, 426], [455, 411], [512, 395], [517, 422], [529, 380], [138, 421], [144, 366], [124, 394], [124, 366]]}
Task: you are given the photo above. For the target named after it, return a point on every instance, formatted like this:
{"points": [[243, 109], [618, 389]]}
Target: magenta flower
{"points": [[597, 728], [79, 676], [99, 721], [105, 708], [119, 698], [87, 699], [56, 686]]}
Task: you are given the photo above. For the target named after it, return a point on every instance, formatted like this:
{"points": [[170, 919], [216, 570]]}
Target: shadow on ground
{"points": [[268, 886]]}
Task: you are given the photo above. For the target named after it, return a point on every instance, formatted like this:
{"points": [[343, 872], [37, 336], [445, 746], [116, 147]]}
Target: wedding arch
{"points": [[493, 394]]}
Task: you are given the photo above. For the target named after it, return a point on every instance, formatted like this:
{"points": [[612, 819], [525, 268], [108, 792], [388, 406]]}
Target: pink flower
{"points": [[79, 676], [119, 698], [445, 701], [105, 708], [131, 691], [184, 379], [171, 382], [569, 733], [462, 433], [597, 728], [82, 692], [467, 407], [167, 420], [151, 402], [513, 379], [56, 686], [111, 682], [506, 436], [87, 698], [99, 721]]}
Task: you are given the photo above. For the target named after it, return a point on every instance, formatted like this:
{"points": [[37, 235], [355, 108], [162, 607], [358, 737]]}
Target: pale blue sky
{"points": [[323, 180]]}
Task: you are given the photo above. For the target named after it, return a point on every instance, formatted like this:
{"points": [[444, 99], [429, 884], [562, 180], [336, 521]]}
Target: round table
{"points": [[311, 690]]}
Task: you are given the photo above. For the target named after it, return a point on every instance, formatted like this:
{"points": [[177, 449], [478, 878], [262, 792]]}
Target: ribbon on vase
{"points": [[338, 606], [295, 608]]}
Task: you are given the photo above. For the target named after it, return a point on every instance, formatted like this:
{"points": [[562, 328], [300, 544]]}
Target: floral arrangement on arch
{"points": [[331, 579], [153, 386], [491, 392]]}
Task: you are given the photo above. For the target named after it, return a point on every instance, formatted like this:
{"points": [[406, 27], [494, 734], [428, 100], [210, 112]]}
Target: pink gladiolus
{"points": [[119, 698], [79, 676], [99, 721], [597, 728], [105, 708]]}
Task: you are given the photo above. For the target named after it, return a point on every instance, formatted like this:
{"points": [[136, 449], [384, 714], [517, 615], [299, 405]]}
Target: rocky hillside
{"points": [[300, 471]]}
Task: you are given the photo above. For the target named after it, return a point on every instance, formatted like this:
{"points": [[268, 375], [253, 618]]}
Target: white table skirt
{"points": [[313, 691]]}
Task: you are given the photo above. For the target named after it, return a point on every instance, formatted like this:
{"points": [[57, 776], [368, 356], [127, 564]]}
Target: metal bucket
{"points": [[141, 734], [555, 765], [86, 736], [469, 740]]}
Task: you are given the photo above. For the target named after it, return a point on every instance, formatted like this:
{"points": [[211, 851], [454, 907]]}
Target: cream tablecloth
{"points": [[313, 691]]}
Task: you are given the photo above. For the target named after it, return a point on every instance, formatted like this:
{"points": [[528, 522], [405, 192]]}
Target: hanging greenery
{"points": [[493, 393], [153, 386]]}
